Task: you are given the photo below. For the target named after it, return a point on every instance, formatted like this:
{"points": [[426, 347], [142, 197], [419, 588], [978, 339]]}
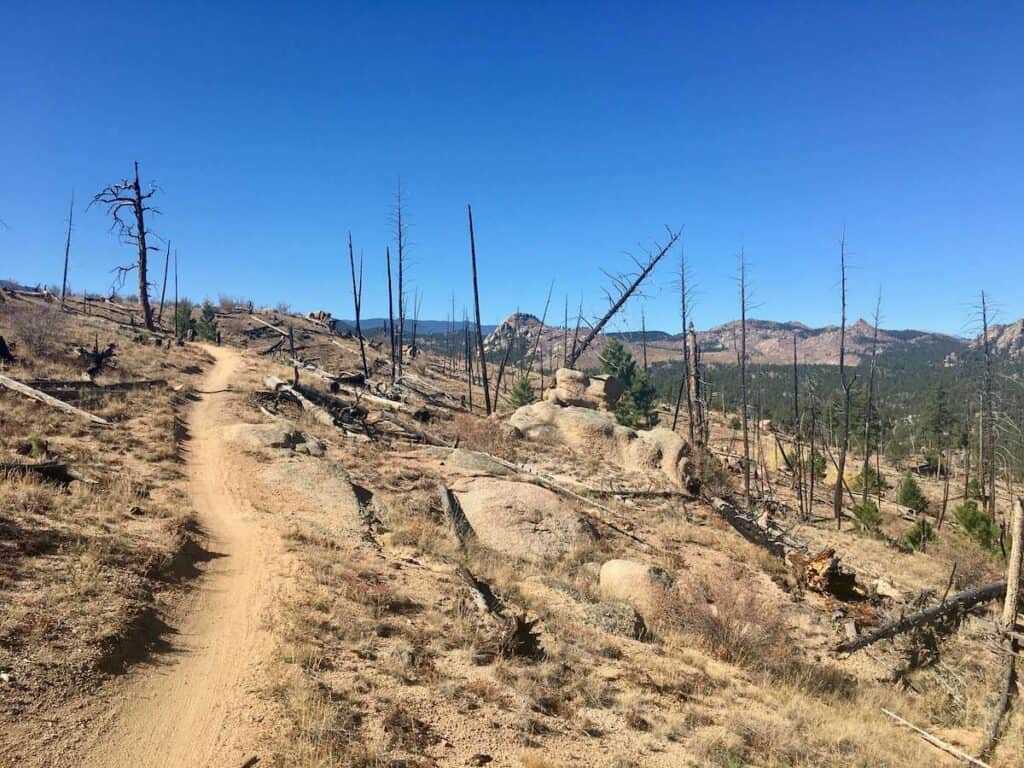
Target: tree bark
{"points": [[163, 287], [357, 301], [67, 250]]}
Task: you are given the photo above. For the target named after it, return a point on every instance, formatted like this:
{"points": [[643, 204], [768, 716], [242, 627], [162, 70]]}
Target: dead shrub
{"points": [[485, 436], [39, 331]]}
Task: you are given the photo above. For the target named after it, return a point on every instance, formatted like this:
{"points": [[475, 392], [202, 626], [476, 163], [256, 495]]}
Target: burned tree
{"points": [[987, 436], [128, 205], [400, 232], [391, 317], [67, 250], [357, 301], [163, 289], [684, 298], [476, 303], [625, 285], [847, 385], [743, 379]]}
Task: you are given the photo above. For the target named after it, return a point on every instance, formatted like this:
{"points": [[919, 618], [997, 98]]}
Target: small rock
{"points": [[480, 759], [6, 677]]}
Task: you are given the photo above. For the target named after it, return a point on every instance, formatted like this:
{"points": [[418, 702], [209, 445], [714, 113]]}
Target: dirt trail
{"points": [[194, 705]]}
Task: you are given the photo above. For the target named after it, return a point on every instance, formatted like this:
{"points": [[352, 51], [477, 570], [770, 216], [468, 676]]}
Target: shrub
{"points": [[184, 317], [910, 495], [917, 536], [974, 489], [866, 518], [522, 392], [818, 464], [977, 525], [735, 423]]}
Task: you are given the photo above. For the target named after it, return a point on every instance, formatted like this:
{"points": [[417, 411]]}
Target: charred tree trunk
{"points": [[400, 237], [988, 466], [743, 380], [476, 304], [837, 499], [391, 318], [67, 250], [163, 287], [357, 301]]}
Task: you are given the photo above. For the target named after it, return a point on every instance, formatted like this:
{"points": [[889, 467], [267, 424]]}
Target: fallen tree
{"points": [[53, 402]]}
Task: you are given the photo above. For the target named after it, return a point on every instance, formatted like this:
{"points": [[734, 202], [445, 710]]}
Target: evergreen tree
{"points": [[910, 495], [206, 326], [522, 392], [636, 406]]}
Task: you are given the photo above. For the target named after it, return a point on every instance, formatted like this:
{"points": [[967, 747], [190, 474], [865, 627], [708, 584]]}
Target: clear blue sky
{"points": [[577, 131]]}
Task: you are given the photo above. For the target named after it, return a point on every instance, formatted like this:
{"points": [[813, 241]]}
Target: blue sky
{"points": [[577, 131]]}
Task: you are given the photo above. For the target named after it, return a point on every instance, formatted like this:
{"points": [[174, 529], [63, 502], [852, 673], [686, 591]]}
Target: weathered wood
{"points": [[272, 327], [320, 414], [456, 517], [958, 603], [53, 402], [935, 741], [772, 538]]}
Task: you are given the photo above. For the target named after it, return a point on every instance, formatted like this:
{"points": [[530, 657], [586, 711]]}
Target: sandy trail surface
{"points": [[194, 705]]}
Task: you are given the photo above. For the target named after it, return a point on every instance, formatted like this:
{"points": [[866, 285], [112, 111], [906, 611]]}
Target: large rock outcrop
{"points": [[574, 388], [597, 434], [521, 519]]}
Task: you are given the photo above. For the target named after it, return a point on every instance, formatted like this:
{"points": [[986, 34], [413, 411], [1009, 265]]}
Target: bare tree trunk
{"points": [[291, 352], [871, 395], [536, 342], [798, 457], [469, 361], [693, 396], [176, 330], [67, 250], [565, 334], [945, 488], [624, 294], [813, 462], [476, 303], [147, 311], [743, 379], [400, 236], [163, 288], [357, 301], [988, 430], [1009, 643], [643, 336], [837, 499], [391, 318], [570, 361]]}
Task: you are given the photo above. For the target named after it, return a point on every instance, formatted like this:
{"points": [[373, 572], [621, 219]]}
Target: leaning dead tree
{"points": [[1009, 638], [67, 250], [163, 288], [847, 384], [476, 303], [625, 286], [128, 205], [357, 301]]}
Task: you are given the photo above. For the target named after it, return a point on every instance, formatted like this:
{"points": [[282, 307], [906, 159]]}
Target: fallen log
{"points": [[958, 603], [456, 517], [935, 741], [53, 471], [272, 348], [53, 402], [272, 327], [320, 414], [771, 537]]}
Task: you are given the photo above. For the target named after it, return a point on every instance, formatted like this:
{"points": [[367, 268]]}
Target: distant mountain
{"points": [[1005, 339], [768, 342], [423, 327]]}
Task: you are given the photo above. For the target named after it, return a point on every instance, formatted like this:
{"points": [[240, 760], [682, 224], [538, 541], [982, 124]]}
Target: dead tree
{"points": [[847, 384], [391, 317], [476, 304], [127, 196], [357, 301], [871, 400], [176, 295], [540, 332], [400, 238], [988, 455], [565, 334], [1009, 643], [625, 286], [417, 298], [643, 336], [163, 288], [683, 306], [798, 458], [469, 360], [67, 250], [743, 378]]}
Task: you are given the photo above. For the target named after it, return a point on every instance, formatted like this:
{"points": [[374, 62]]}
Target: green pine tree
{"points": [[522, 392], [910, 495], [636, 406], [206, 325]]}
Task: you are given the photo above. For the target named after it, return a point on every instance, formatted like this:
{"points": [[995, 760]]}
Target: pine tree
{"points": [[636, 406], [522, 392]]}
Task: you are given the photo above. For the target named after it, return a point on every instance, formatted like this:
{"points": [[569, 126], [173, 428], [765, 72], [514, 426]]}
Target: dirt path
{"points": [[194, 705]]}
